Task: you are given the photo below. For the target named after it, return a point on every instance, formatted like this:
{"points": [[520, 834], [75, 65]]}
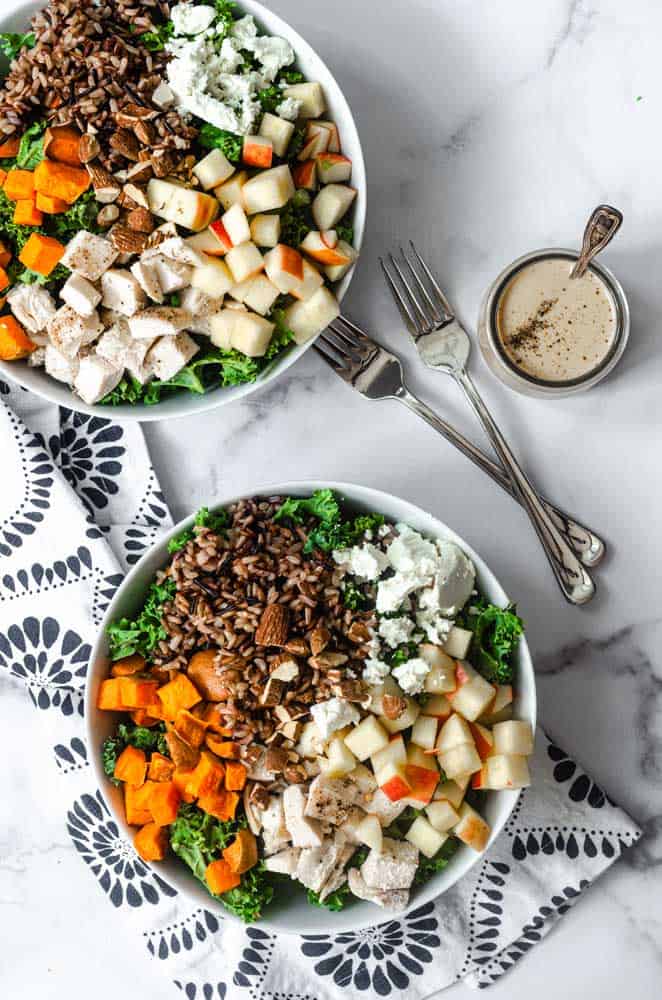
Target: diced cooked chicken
{"points": [[96, 378], [177, 249], [37, 358], [118, 347], [59, 366], [338, 875], [392, 899], [169, 355], [80, 294], [275, 832], [316, 864], [89, 255], [172, 275], [284, 863], [385, 810], [69, 332], [331, 799], [147, 277], [121, 292], [304, 832], [394, 868], [202, 308], [32, 306], [159, 321]]}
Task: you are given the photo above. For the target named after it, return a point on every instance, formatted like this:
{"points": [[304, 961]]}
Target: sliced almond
{"points": [[140, 219], [351, 690], [145, 133], [131, 113], [88, 148], [297, 647], [108, 215], [273, 627], [125, 142], [325, 661], [136, 194], [319, 639], [106, 187], [393, 706], [128, 240], [273, 692], [286, 670], [140, 173]]}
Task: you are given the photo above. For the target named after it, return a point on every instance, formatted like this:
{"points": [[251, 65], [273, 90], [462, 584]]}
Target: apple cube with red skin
{"points": [[367, 738], [335, 272], [472, 828], [334, 136], [306, 320], [483, 739], [236, 225], [304, 175], [261, 295], [442, 815], [213, 169], [230, 193], [513, 737], [214, 278], [454, 732], [316, 141], [312, 280], [394, 751], [333, 168], [423, 782], [278, 131], [206, 242], [507, 771], [458, 642], [331, 204], [473, 693], [369, 832], [424, 732], [424, 836], [479, 779], [268, 190], [323, 247], [284, 267], [257, 151], [460, 760], [393, 781], [437, 705], [251, 334], [265, 230], [244, 261], [451, 792], [310, 97], [417, 755]]}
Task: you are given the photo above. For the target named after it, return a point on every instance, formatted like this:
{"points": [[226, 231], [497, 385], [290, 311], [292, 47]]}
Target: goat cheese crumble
{"points": [[375, 671], [396, 631], [411, 675], [366, 561], [333, 714]]}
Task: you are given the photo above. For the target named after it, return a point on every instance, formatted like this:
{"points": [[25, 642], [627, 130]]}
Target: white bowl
{"points": [[183, 404], [296, 915]]}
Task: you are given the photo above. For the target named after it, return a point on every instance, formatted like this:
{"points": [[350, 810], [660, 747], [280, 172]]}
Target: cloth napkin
{"points": [[79, 504]]}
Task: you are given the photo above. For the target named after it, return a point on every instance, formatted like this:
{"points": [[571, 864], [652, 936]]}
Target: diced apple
{"points": [[222, 237], [265, 230], [304, 175], [507, 771], [479, 779], [393, 782], [206, 242], [213, 279], [367, 738], [451, 792], [364, 779], [278, 130], [229, 193], [424, 732], [424, 836], [416, 755], [460, 760], [454, 732], [331, 204], [341, 760], [307, 319], [268, 190], [441, 678], [284, 267], [257, 151], [334, 139], [221, 326], [472, 828], [184, 206], [437, 705], [513, 737], [394, 750], [502, 698], [458, 642], [236, 225], [369, 832], [335, 272], [483, 739], [312, 280], [261, 295], [333, 168], [251, 334], [244, 261], [406, 719], [214, 169], [491, 718], [423, 782], [310, 97], [316, 141], [462, 780], [240, 291], [310, 743], [473, 693], [323, 247], [442, 815]]}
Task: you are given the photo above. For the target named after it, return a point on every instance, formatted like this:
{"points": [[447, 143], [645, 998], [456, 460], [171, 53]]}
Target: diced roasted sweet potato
{"points": [[137, 692], [109, 697], [227, 749], [19, 185], [128, 665], [141, 718], [207, 776], [161, 768], [235, 776], [220, 877], [164, 801], [61, 181], [136, 804], [242, 852], [61, 143], [189, 728], [26, 213], [181, 779], [176, 694], [41, 253], [184, 756], [131, 766], [151, 842], [222, 805], [14, 341]]}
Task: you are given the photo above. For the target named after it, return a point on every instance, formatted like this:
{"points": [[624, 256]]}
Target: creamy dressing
{"points": [[552, 327]]}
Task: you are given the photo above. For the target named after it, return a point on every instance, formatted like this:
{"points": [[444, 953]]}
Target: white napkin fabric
{"points": [[79, 504]]}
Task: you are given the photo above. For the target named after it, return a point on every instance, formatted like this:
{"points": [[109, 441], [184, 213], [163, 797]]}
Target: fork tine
{"points": [[397, 294], [356, 346], [343, 370], [423, 324], [436, 314], [360, 334], [442, 298]]}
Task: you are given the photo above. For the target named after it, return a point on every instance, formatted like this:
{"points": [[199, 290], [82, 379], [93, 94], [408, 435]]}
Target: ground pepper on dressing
{"points": [[552, 327]]}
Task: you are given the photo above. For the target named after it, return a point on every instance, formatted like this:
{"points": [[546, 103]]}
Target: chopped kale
{"points": [[12, 43], [354, 598], [345, 231], [229, 144], [217, 521], [332, 532], [149, 740], [335, 901], [270, 98], [428, 867], [157, 39], [141, 635], [496, 634], [295, 219], [296, 144], [290, 76], [31, 148]]}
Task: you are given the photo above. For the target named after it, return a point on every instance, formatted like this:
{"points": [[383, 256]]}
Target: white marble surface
{"points": [[488, 128]]}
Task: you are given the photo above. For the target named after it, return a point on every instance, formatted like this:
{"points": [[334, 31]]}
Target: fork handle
{"points": [[589, 547], [573, 579]]}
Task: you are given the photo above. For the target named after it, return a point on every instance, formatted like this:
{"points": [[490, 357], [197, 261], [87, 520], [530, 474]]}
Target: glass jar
{"points": [[512, 375]]}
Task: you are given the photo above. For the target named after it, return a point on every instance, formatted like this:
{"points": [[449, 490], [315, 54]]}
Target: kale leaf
{"points": [[282, 336], [354, 598], [11, 43], [155, 41], [290, 76], [296, 219], [496, 634], [128, 390], [224, 15], [270, 98], [141, 635], [335, 901], [403, 653], [332, 532], [150, 740], [82, 215], [217, 521], [322, 504], [296, 144], [31, 148], [229, 144], [428, 867], [345, 231]]}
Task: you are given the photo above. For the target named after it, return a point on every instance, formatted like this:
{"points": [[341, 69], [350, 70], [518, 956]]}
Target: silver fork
{"points": [[377, 374]]}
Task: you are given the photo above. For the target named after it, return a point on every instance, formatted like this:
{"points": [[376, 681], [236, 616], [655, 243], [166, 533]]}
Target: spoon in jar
{"points": [[602, 226]]}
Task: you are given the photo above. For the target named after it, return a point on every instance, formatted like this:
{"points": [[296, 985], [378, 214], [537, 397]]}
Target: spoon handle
{"points": [[604, 223]]}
